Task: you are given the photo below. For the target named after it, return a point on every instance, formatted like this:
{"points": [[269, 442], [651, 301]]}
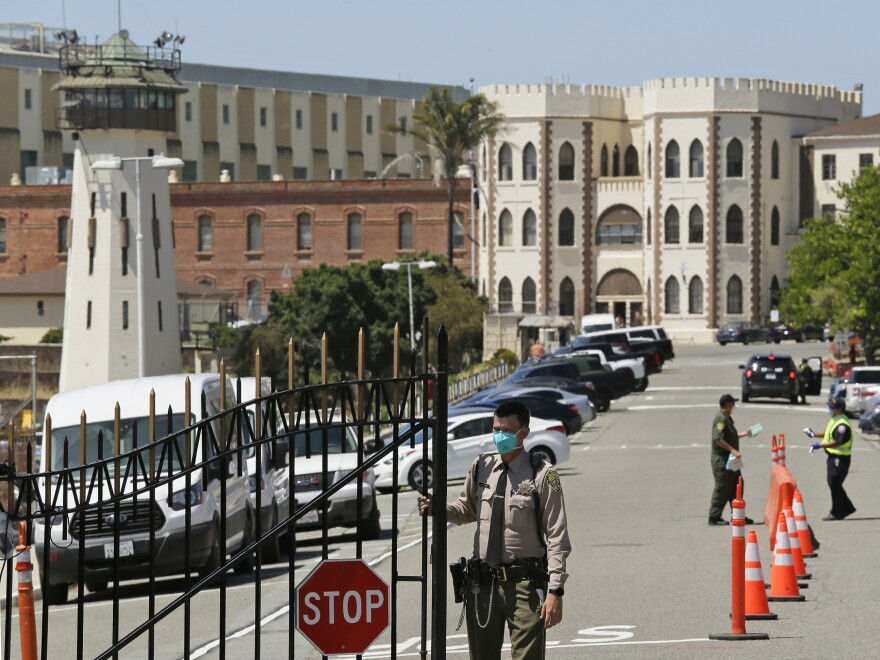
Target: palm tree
{"points": [[451, 130]]}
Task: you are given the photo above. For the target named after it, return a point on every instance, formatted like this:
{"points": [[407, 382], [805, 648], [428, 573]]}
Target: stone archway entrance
{"points": [[620, 293]]}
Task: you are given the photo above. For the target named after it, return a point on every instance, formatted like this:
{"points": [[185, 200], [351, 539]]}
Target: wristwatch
{"points": [[557, 591]]}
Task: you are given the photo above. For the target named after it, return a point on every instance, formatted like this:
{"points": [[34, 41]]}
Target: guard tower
{"points": [[120, 317]]}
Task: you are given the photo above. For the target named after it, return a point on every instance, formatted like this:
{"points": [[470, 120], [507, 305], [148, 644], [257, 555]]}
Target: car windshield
{"points": [[772, 364], [338, 441]]}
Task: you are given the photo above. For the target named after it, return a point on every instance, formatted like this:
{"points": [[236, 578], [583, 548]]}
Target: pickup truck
{"points": [[858, 388], [614, 384], [635, 364], [659, 348], [558, 373], [617, 351]]}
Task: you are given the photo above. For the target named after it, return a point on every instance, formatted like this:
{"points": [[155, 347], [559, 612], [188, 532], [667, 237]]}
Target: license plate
{"points": [[770, 376], [309, 517], [126, 549]]}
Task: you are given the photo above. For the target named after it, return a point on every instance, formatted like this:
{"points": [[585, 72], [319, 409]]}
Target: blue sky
{"points": [[579, 41]]}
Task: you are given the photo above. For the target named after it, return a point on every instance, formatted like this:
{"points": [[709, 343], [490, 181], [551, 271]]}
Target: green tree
{"points": [[461, 311], [834, 269], [451, 130]]}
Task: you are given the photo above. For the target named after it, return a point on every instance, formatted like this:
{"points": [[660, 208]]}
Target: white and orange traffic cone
{"points": [[781, 448], [783, 581], [756, 597], [803, 527], [27, 623], [800, 568], [774, 450]]}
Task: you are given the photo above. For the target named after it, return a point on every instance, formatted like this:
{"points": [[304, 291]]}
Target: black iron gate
{"points": [[140, 499]]}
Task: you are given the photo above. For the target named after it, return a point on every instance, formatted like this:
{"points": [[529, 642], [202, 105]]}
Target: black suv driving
{"points": [[770, 376]]}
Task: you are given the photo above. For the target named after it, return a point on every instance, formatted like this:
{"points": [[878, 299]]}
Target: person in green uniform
{"points": [[837, 443], [520, 544], [725, 441]]}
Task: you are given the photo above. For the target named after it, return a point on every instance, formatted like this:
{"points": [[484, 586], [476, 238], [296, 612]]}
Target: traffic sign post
{"points": [[342, 606]]}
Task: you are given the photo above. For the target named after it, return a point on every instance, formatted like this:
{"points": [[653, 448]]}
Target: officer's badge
{"points": [[553, 480], [525, 488], [719, 426]]}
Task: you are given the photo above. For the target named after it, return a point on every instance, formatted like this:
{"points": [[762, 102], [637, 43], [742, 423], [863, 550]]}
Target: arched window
{"points": [[735, 158], [254, 299], [405, 231], [254, 232], [566, 228], [673, 160], [530, 228], [603, 161], [672, 304], [505, 229], [631, 161], [505, 163], [775, 293], [695, 225], [695, 160], [615, 161], [648, 167], [566, 298], [566, 162], [648, 227], [774, 226], [303, 231], [734, 228], [734, 295], [529, 304], [774, 160], [530, 163], [695, 296], [355, 231], [670, 226], [619, 225], [505, 296]]}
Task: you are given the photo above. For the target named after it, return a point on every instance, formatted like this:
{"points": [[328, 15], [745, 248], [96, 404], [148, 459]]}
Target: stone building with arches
{"points": [[674, 202]]}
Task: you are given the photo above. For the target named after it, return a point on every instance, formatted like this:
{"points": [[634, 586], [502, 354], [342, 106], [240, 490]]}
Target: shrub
{"points": [[53, 336]]}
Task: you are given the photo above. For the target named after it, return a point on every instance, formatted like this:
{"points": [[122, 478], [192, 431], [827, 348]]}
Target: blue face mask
{"points": [[505, 441]]}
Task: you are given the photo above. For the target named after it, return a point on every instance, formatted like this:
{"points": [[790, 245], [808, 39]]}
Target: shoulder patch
{"points": [[553, 481], [719, 426]]}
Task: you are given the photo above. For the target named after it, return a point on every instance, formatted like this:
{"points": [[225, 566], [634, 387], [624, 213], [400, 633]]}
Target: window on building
{"points": [[159, 314], [530, 229], [631, 161], [672, 303], [63, 234], [402, 122], [335, 174], [190, 170], [734, 295], [225, 113], [355, 231], [774, 160], [41, 308], [734, 226], [28, 159], [264, 172], [298, 119], [88, 314], [263, 116], [2, 235], [603, 161], [505, 229], [566, 228], [865, 160], [695, 160], [405, 231], [505, 296], [187, 110], [695, 296], [671, 233], [775, 293], [254, 299], [530, 163], [648, 226], [125, 315], [458, 231], [303, 231], [229, 167], [648, 168], [370, 174], [28, 99], [774, 226], [673, 160], [334, 121], [735, 158], [566, 162], [529, 295], [369, 124], [566, 297], [254, 232], [695, 225], [619, 225], [615, 161], [300, 173], [505, 163], [206, 233], [829, 211]]}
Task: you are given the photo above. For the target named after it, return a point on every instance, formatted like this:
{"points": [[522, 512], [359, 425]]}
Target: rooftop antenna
{"points": [[64, 14], [119, 15]]}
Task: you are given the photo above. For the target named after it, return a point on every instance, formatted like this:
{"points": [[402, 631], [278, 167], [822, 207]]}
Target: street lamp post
{"points": [[160, 162], [423, 265]]}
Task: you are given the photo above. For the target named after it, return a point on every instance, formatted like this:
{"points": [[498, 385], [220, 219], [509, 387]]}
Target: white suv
{"points": [[862, 384]]}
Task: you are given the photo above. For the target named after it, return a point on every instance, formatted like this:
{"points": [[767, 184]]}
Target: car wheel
{"points": [[723, 343], [745, 397], [53, 594], [272, 547], [745, 341], [371, 528], [215, 557], [602, 402], [544, 452], [420, 477], [802, 338], [96, 585], [793, 398], [777, 341], [247, 562], [642, 384]]}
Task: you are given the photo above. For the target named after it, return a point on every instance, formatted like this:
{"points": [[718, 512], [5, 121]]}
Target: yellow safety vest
{"points": [[846, 448]]}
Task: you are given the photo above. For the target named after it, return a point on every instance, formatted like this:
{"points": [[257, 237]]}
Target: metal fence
{"points": [[179, 493]]}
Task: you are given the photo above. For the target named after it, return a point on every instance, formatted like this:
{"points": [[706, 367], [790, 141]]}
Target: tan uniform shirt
{"points": [[521, 540]]}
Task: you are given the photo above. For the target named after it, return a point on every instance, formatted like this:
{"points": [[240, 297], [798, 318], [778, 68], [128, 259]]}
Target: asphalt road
{"points": [[649, 578]]}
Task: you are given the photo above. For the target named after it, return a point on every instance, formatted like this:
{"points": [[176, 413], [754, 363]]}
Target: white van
{"points": [[597, 323], [168, 517]]}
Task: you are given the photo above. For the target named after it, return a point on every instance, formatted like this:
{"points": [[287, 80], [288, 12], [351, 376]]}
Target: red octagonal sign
{"points": [[342, 606]]}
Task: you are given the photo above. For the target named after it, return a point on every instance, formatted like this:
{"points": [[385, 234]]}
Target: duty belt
{"points": [[517, 572]]}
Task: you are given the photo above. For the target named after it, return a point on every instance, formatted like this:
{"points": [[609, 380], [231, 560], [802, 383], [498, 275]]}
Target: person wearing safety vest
{"points": [[837, 443]]}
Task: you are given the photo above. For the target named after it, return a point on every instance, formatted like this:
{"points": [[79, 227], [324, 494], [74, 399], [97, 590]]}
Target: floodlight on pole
{"points": [[159, 162], [422, 265]]}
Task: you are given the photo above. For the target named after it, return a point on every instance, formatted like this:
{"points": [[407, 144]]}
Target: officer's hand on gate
{"points": [[426, 507]]}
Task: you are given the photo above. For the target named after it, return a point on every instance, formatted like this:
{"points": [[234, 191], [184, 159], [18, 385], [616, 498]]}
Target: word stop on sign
{"points": [[351, 607]]}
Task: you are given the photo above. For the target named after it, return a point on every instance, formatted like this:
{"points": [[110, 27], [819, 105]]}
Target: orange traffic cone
{"points": [[756, 597], [800, 568], [783, 581], [803, 528], [780, 446], [774, 450]]}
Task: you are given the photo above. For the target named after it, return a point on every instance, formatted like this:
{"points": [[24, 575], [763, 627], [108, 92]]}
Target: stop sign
{"points": [[342, 606]]}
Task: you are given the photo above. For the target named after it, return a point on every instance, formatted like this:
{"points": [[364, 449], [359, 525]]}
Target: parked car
{"points": [[743, 332], [780, 332], [869, 422], [601, 402], [538, 406], [858, 388], [582, 402], [615, 382], [768, 375], [468, 436]]}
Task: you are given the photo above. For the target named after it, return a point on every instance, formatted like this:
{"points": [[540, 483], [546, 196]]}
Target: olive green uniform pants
{"points": [[518, 604], [725, 486]]}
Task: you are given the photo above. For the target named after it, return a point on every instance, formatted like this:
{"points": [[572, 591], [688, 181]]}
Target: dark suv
{"points": [[770, 376]]}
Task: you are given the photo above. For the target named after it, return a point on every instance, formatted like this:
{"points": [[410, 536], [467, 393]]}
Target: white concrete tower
{"points": [[120, 318]]}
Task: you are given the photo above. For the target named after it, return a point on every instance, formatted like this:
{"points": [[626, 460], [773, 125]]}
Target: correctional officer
{"points": [[521, 542], [837, 443], [725, 441]]}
